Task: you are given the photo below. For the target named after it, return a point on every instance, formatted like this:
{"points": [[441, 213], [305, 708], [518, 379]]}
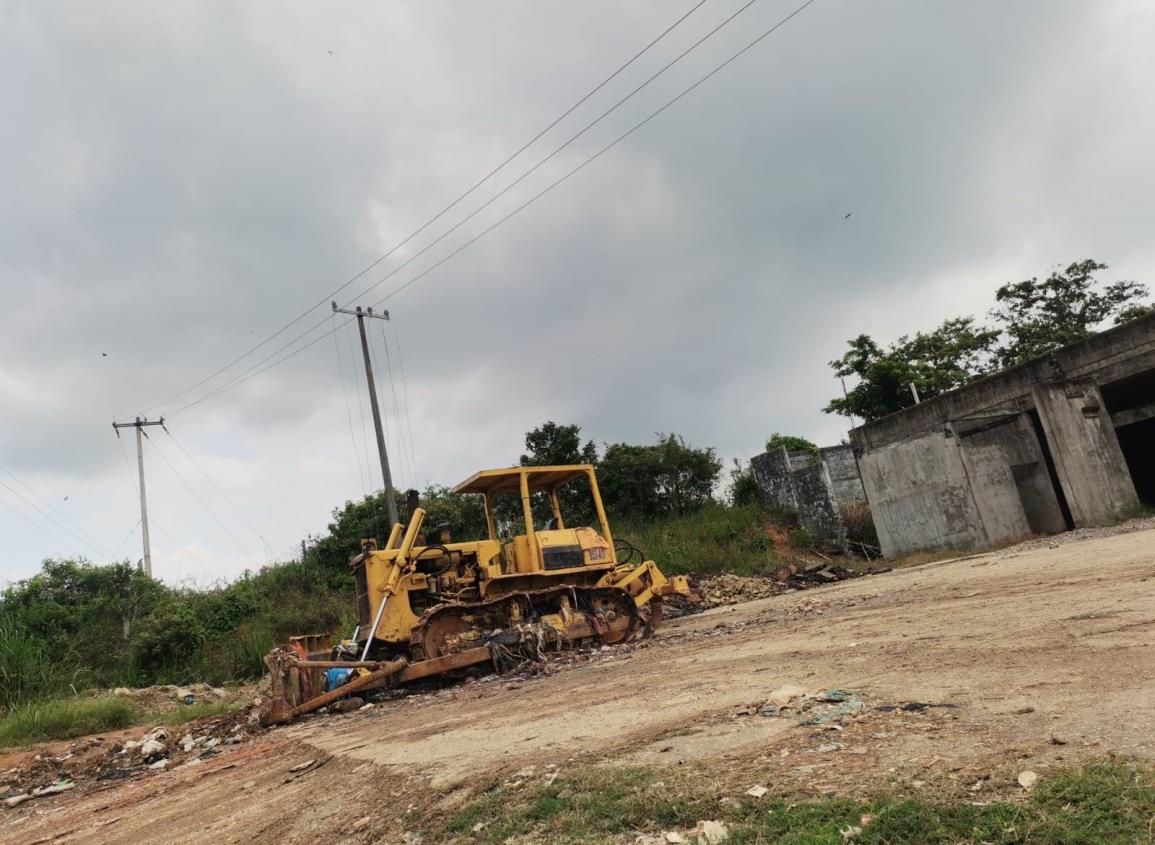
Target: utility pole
{"points": [[139, 424], [387, 477]]}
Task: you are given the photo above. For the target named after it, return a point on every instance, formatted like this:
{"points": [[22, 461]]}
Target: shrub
{"points": [[28, 670], [859, 524], [63, 719]]}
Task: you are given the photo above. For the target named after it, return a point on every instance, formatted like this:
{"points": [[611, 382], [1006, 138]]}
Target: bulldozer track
{"points": [[638, 623]]}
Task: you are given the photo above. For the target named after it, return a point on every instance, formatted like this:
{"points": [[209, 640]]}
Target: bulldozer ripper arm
{"points": [[646, 582]]}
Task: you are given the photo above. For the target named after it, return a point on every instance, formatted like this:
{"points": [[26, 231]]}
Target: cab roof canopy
{"points": [[509, 480]]}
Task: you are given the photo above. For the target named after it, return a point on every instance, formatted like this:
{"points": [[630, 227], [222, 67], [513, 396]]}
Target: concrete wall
{"points": [[994, 491], [1088, 460], [817, 511], [1039, 429], [843, 470], [920, 496], [1116, 354], [772, 473], [1028, 467], [800, 484]]}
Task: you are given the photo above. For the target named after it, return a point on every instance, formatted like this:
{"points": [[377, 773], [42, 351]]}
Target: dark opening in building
{"points": [[1131, 402], [1138, 443], [1052, 473]]}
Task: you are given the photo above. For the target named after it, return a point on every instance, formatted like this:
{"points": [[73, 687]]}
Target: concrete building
{"points": [[1063, 441], [812, 486]]}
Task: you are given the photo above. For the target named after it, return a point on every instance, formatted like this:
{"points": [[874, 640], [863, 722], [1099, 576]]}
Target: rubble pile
{"points": [[824, 707], [717, 590], [95, 759], [163, 697]]}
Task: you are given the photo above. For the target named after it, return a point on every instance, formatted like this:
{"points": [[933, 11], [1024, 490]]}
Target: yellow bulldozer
{"points": [[428, 605]]}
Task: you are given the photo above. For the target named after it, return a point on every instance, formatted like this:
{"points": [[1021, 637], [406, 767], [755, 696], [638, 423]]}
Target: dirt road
{"points": [[1025, 658]]}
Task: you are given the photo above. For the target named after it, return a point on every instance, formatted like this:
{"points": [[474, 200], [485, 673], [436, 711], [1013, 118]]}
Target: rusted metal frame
{"points": [[384, 673], [435, 666], [337, 664]]}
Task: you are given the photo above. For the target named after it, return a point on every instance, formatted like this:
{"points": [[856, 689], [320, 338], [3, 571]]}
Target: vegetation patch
{"points": [[64, 718], [1104, 802], [712, 539]]}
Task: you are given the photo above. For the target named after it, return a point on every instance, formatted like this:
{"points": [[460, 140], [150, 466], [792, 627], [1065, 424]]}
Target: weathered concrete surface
{"points": [[1115, 355], [1038, 444], [1089, 462], [919, 496], [818, 514], [801, 483], [1028, 467], [842, 467], [992, 486], [772, 473]]}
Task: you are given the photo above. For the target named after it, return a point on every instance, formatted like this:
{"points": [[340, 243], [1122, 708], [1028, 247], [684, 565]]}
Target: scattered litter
{"points": [[51, 789], [1027, 779], [300, 767], [709, 833], [360, 824], [850, 832], [784, 695], [757, 791]]}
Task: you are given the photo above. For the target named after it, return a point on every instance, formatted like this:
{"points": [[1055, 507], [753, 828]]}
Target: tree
{"points": [[1066, 307], [87, 612], [667, 478], [743, 486], [791, 443], [941, 360], [553, 444]]}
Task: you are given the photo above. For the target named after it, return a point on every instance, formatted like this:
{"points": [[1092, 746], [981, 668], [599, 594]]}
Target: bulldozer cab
{"points": [[553, 546]]}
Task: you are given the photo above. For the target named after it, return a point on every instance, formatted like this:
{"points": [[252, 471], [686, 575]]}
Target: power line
{"points": [[437, 216], [78, 533], [405, 398], [127, 537], [596, 155], [199, 500], [240, 379], [348, 409], [363, 429], [64, 544], [397, 407], [396, 438], [221, 493], [257, 369], [57, 508]]}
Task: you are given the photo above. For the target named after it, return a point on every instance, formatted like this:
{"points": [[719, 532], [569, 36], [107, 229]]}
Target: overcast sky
{"points": [[180, 180]]}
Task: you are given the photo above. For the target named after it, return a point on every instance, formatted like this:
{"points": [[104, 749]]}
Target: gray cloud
{"points": [[182, 179]]}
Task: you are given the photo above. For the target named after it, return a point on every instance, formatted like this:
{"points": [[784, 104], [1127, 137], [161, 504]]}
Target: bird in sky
{"points": [[847, 217]]}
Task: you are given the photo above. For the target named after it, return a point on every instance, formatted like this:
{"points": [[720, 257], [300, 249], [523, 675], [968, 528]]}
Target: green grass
{"points": [[1106, 802], [714, 539], [68, 718], [63, 718]]}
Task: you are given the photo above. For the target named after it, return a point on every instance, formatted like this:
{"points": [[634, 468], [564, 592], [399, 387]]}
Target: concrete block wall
{"points": [[1088, 460], [920, 496], [800, 483], [843, 469]]}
